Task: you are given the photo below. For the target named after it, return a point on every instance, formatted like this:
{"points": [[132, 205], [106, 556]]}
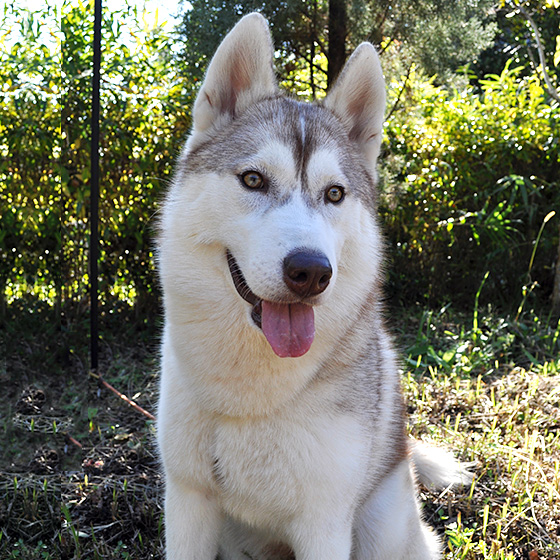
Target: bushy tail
{"points": [[437, 468]]}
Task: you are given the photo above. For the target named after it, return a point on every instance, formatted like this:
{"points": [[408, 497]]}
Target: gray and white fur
{"points": [[281, 423]]}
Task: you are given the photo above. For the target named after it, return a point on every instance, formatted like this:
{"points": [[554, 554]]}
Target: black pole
{"points": [[94, 190]]}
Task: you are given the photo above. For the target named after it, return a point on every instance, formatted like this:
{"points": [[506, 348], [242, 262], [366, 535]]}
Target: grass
{"points": [[78, 473], [490, 390], [485, 385]]}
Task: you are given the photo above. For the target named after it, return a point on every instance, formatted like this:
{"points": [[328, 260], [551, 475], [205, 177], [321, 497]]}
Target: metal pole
{"points": [[94, 184]]}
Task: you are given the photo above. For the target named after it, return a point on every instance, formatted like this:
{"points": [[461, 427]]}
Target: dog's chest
{"points": [[268, 470]]}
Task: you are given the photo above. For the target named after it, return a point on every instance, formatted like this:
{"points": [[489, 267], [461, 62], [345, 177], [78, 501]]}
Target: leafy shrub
{"points": [[469, 177], [144, 118], [45, 170], [30, 194]]}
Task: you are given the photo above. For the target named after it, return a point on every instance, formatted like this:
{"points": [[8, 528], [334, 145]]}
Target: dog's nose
{"points": [[307, 273]]}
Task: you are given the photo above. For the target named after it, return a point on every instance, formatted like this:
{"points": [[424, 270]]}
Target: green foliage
{"points": [[439, 35], [24, 501], [44, 169], [298, 31], [144, 118], [516, 39], [30, 145], [469, 175], [469, 179]]}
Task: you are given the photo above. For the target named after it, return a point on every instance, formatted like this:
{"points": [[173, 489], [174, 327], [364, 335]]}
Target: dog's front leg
{"points": [[193, 523], [319, 541]]}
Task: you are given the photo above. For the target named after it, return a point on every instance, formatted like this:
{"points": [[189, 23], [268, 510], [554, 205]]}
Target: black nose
{"points": [[307, 273]]}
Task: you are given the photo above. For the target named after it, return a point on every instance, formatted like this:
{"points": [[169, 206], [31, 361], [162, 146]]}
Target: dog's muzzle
{"points": [[289, 326]]}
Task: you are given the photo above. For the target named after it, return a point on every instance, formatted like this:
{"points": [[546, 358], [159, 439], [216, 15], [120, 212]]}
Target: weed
{"points": [[492, 393]]}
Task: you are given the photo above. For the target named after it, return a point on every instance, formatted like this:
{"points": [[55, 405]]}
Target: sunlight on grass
{"points": [[505, 420]]}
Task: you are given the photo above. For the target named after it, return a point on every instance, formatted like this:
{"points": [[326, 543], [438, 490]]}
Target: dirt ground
{"points": [[79, 476]]}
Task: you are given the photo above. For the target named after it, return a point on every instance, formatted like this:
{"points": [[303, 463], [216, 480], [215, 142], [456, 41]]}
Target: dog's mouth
{"points": [[288, 327], [244, 291]]}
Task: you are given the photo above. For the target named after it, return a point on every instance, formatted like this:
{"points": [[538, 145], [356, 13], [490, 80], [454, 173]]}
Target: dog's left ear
{"points": [[240, 73], [358, 99]]}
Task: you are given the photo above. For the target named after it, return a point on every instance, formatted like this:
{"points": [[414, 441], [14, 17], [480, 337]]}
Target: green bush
{"points": [[469, 177], [30, 193], [45, 169], [144, 118]]}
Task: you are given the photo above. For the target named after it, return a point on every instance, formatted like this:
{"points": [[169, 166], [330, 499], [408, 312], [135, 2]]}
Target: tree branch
{"points": [[394, 107], [307, 59], [549, 87], [389, 42]]}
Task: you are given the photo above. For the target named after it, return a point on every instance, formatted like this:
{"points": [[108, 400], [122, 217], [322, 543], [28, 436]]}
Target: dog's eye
{"points": [[252, 180], [334, 194]]}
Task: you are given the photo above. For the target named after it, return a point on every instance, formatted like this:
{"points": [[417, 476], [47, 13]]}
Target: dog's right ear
{"points": [[240, 73]]}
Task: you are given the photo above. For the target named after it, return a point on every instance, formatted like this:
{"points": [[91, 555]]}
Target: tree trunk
{"points": [[549, 87], [337, 39], [556, 290]]}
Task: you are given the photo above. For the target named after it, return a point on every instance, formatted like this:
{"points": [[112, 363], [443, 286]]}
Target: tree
{"points": [[439, 35], [337, 38], [297, 28], [540, 47], [313, 39], [522, 27]]}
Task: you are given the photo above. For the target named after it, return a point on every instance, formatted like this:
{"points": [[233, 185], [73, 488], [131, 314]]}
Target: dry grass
{"points": [[489, 389], [471, 395]]}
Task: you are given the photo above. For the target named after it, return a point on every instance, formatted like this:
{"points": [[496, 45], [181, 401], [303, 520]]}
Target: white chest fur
{"points": [[271, 470]]}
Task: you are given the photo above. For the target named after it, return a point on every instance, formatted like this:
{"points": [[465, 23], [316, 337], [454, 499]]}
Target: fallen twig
{"points": [[74, 441], [123, 397]]}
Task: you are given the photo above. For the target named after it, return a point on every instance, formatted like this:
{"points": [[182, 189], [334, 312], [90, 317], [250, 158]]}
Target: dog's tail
{"points": [[437, 468]]}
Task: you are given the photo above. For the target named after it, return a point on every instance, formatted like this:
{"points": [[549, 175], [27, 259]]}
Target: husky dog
{"points": [[281, 422]]}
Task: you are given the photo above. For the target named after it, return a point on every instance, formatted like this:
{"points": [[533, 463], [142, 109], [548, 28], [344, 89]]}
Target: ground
{"points": [[79, 476], [78, 472]]}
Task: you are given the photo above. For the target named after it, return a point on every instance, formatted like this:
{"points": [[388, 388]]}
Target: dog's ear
{"points": [[358, 99], [240, 73]]}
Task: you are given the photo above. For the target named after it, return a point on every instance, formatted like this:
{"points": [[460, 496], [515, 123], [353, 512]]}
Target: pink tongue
{"points": [[288, 327]]}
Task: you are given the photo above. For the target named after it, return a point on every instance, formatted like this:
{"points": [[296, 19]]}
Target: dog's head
{"points": [[282, 191]]}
